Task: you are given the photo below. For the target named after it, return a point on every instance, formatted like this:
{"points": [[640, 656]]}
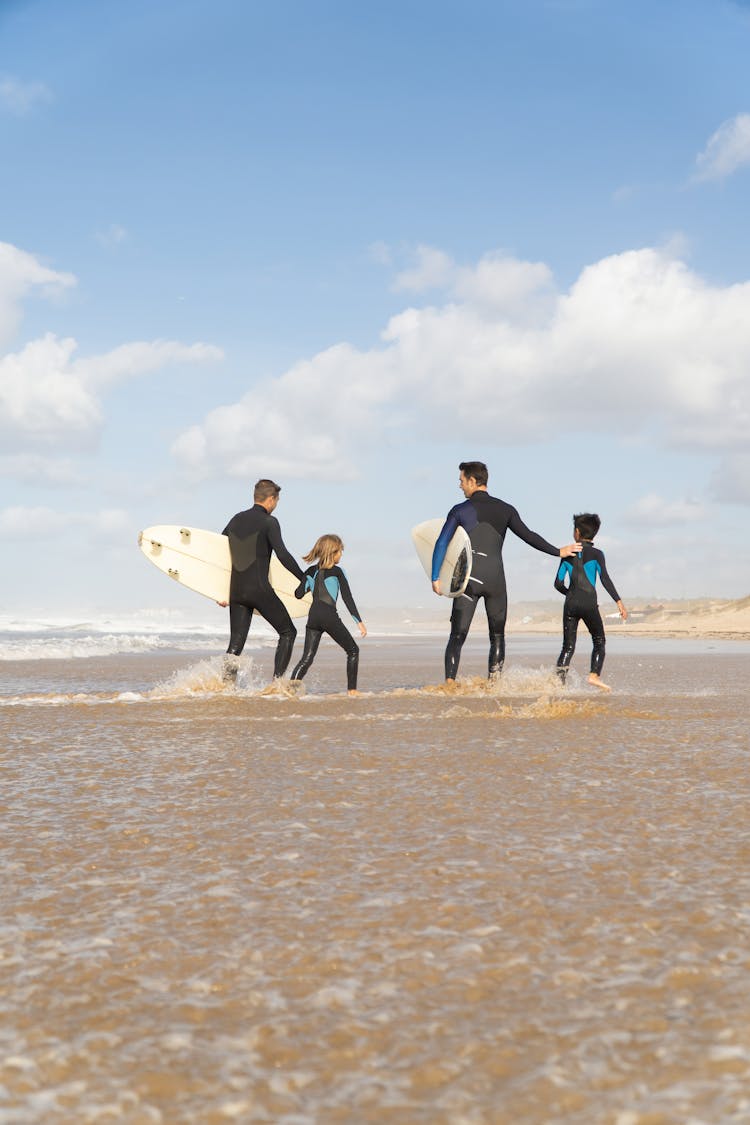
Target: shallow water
{"points": [[521, 905]]}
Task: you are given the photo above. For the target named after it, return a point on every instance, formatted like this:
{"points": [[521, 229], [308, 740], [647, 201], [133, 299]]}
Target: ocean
{"points": [[518, 904]]}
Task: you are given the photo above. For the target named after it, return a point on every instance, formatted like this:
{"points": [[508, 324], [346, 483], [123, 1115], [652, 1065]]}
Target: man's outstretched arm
{"points": [[519, 528], [288, 560]]}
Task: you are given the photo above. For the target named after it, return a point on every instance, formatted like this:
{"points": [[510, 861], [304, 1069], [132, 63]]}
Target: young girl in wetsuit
{"points": [[327, 580]]}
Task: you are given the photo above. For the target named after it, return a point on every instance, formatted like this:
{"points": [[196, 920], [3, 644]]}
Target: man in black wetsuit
{"points": [[486, 520], [253, 535]]}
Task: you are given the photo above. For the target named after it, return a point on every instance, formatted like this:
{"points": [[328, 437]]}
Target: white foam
{"points": [[72, 637]]}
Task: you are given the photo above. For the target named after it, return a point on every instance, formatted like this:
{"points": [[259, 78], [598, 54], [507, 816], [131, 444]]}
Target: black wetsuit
{"points": [[323, 618], [253, 535], [581, 572], [486, 520]]}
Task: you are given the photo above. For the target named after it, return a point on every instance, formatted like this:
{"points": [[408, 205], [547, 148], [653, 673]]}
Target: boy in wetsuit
{"points": [[253, 535], [327, 580], [581, 574]]}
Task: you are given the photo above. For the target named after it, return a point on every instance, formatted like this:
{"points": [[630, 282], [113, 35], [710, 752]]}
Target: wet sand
{"points": [[523, 905]]}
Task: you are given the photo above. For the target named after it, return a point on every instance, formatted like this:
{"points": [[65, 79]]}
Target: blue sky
{"points": [[347, 246]]}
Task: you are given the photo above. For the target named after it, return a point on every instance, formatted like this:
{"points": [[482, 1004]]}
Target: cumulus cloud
{"points": [[433, 269], [21, 97], [639, 343], [727, 150], [654, 511], [296, 422], [20, 274], [48, 394]]}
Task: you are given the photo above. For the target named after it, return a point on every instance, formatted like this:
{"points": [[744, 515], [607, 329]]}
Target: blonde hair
{"points": [[324, 550]]}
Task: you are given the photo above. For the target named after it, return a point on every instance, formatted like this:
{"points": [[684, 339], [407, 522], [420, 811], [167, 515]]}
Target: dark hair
{"points": [[587, 524], [475, 469], [265, 488]]}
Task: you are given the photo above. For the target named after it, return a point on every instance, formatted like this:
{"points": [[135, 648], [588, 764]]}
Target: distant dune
{"points": [[697, 617]]}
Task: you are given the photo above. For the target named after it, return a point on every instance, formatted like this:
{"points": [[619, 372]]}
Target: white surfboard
{"points": [[456, 569], [201, 561]]}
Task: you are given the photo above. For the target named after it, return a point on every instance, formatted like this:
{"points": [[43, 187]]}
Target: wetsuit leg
{"points": [[570, 631], [593, 622], [240, 617], [312, 640], [341, 635], [462, 616], [277, 616], [270, 606], [497, 615]]}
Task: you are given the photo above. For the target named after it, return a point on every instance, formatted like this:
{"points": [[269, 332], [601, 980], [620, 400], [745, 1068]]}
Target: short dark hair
{"points": [[587, 524], [475, 469], [264, 489]]}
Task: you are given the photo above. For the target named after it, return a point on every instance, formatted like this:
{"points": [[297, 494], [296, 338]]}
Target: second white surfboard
{"points": [[456, 569]]}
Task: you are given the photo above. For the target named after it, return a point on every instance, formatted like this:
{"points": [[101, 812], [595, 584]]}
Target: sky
{"points": [[347, 246]]}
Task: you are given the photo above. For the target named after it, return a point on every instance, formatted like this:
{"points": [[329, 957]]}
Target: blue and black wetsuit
{"points": [[253, 535], [486, 520], [576, 579], [326, 585]]}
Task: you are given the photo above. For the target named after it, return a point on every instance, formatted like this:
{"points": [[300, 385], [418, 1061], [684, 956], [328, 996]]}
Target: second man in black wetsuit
{"points": [[253, 535], [486, 520]]}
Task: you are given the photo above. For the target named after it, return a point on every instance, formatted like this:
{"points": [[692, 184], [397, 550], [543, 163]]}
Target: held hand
{"points": [[436, 586], [571, 549], [223, 604], [362, 629]]}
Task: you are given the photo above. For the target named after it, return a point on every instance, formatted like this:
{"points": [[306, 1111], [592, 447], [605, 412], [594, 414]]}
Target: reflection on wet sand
{"points": [[512, 904]]}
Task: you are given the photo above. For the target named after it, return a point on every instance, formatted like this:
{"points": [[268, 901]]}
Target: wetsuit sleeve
{"points": [[304, 585], [346, 594], [563, 572], [607, 582], [450, 528], [277, 543], [519, 528]]}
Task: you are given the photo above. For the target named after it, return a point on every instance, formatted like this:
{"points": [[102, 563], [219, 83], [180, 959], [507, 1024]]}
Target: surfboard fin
{"points": [[174, 573]]}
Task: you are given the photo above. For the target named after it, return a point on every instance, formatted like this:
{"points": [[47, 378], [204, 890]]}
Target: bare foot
{"points": [[352, 691], [594, 679]]}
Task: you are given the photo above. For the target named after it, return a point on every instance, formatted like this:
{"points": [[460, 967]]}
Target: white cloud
{"points": [[141, 358], [654, 511], [639, 343], [20, 274], [21, 97], [432, 270], [727, 150], [296, 422], [47, 394]]}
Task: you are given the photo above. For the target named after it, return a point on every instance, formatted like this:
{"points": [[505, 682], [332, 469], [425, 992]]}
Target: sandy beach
{"points": [[507, 905]]}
